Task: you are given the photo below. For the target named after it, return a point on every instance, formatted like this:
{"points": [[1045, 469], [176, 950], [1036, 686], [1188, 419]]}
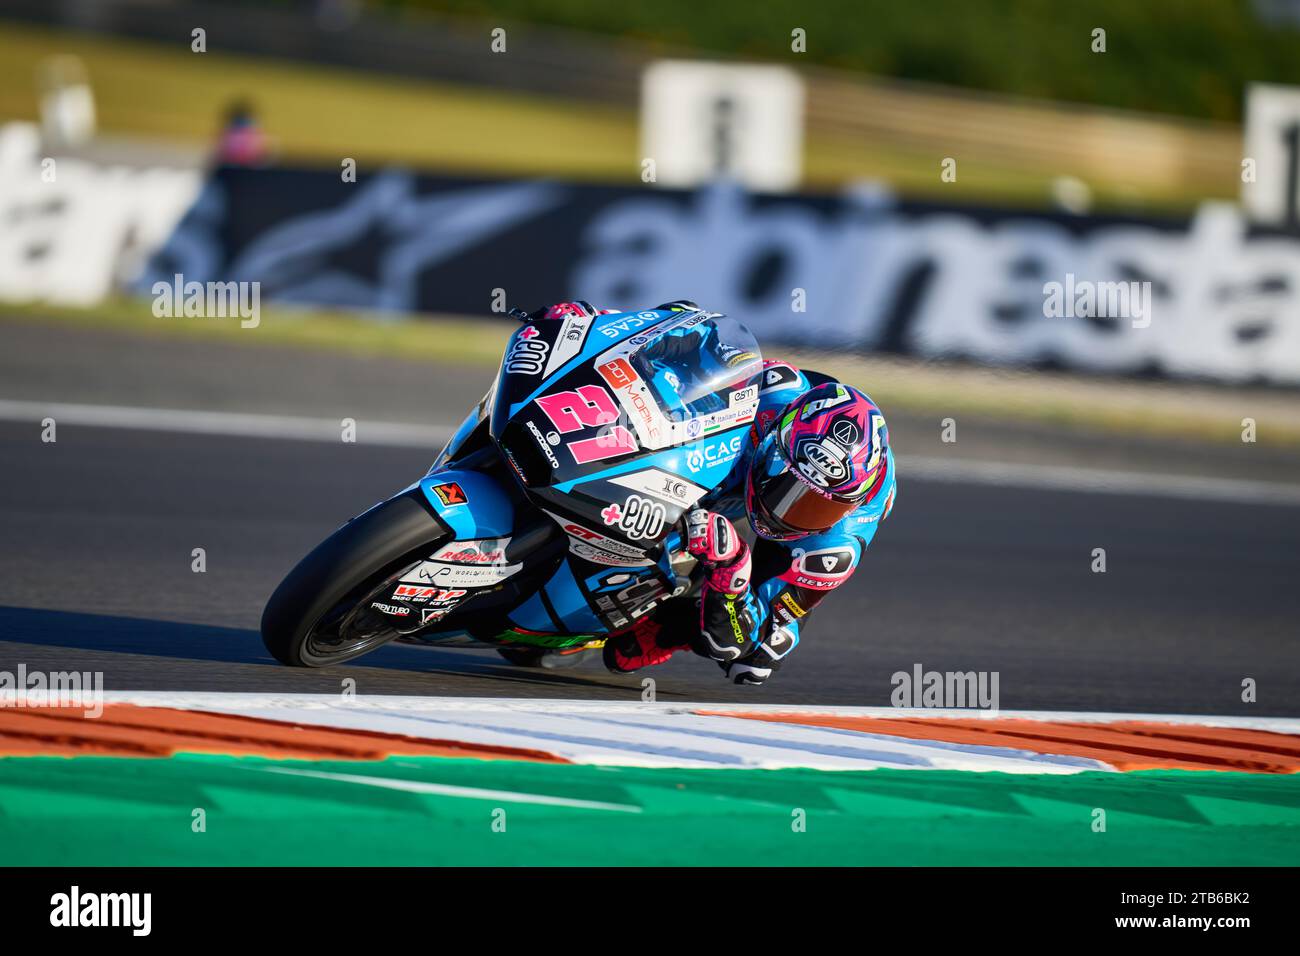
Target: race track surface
{"points": [[98, 529], [96, 574]]}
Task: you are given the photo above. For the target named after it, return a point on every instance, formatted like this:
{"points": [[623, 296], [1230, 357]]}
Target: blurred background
{"points": [[862, 177], [910, 195]]}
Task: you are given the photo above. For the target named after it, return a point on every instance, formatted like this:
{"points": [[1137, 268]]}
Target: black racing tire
{"points": [[344, 568]]}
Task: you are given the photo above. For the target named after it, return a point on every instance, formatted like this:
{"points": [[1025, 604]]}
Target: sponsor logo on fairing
{"points": [[461, 575], [419, 595], [450, 494], [730, 418], [641, 319], [744, 396], [635, 396], [598, 540], [595, 555], [527, 354], [637, 517], [471, 557], [544, 444], [569, 342], [618, 373], [396, 610], [475, 551], [663, 485], [715, 452]]}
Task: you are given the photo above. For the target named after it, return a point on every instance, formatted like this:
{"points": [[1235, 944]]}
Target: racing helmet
{"points": [[824, 456]]}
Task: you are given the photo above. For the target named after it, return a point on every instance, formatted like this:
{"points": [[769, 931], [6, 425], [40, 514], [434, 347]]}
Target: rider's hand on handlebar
{"points": [[719, 547], [713, 538]]}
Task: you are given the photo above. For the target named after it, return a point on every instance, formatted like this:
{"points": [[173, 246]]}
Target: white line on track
{"points": [[447, 790], [965, 471], [236, 424]]}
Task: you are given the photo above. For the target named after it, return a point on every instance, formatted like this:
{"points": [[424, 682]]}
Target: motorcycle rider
{"points": [[814, 479]]}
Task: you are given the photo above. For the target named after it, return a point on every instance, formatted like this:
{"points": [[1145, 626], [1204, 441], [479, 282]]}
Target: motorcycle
{"points": [[555, 515]]}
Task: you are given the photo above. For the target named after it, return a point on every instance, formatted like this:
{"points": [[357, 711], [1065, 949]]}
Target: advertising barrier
{"points": [[1211, 297]]}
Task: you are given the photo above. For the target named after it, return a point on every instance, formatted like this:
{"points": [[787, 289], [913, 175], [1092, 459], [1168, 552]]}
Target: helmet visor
{"points": [[786, 500]]}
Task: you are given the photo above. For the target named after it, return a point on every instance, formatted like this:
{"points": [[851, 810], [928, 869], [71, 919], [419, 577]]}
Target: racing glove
{"points": [[727, 621], [716, 544]]}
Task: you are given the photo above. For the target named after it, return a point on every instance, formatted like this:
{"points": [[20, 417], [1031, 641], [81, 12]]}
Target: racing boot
{"points": [[644, 644]]}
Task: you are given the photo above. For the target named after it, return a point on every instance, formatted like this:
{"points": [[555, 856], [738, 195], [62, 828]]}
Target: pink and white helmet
{"points": [[822, 458]]}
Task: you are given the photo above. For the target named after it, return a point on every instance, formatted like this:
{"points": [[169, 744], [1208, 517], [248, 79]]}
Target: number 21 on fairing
{"points": [[588, 406]]}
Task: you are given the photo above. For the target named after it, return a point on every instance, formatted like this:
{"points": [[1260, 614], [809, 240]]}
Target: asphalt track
{"points": [[97, 530]]}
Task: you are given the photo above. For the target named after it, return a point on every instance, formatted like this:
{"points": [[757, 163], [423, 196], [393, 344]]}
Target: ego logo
{"points": [[528, 353]]}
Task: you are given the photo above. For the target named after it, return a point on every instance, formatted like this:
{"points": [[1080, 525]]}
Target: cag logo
{"points": [[714, 453]]}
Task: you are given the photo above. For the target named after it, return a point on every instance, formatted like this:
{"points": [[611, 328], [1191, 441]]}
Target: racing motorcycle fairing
{"points": [[491, 566], [552, 516], [606, 429], [616, 424], [559, 608], [473, 504]]}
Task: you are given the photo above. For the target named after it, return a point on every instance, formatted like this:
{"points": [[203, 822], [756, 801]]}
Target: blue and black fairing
{"points": [[689, 367], [684, 386]]}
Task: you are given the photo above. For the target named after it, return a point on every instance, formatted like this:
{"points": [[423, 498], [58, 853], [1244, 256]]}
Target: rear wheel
{"points": [[319, 615]]}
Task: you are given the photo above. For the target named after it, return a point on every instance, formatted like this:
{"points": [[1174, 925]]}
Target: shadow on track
{"points": [[64, 634]]}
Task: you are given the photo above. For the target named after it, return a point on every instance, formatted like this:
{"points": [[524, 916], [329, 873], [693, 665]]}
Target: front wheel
{"points": [[312, 619]]}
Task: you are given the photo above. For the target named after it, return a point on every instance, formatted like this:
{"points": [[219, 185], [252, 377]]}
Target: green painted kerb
{"points": [[436, 811]]}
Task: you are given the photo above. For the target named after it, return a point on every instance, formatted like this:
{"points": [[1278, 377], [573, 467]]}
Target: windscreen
{"points": [[693, 368]]}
